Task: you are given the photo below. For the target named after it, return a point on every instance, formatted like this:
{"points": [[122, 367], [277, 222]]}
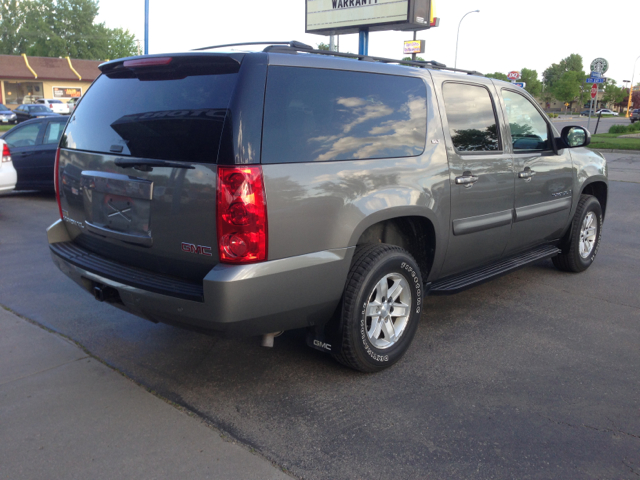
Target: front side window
{"points": [[23, 137], [529, 130], [314, 115], [471, 116]]}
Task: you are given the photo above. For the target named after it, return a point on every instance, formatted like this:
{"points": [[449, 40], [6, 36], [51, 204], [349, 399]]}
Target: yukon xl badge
{"points": [[197, 249]]}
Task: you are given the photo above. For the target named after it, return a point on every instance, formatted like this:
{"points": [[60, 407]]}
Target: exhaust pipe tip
{"points": [[105, 294]]}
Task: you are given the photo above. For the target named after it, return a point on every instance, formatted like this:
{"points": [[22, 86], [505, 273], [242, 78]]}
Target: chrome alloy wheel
{"points": [[387, 311], [588, 234]]}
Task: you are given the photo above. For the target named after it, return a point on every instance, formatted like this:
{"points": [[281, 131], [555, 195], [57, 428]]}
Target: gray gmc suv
{"points": [[251, 193]]}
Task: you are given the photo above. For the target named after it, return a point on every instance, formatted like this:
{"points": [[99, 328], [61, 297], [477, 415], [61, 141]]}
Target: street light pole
{"points": [[455, 63], [146, 27], [631, 88]]}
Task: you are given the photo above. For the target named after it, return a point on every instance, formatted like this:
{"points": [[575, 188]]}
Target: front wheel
{"points": [[380, 308], [584, 240]]}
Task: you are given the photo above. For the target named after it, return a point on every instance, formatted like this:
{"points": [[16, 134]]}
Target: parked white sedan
{"points": [[58, 106], [606, 111], [8, 175]]}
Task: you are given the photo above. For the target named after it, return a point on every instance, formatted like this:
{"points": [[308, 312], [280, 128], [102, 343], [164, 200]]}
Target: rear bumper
{"points": [[265, 297]]}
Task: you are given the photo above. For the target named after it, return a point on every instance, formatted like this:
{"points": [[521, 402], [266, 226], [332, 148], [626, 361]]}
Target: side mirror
{"points": [[573, 137]]}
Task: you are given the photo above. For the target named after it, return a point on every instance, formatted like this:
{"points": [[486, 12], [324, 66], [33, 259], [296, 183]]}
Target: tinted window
{"points": [[3, 108], [38, 108], [159, 118], [529, 131], [23, 136], [471, 117], [53, 132], [319, 115]]}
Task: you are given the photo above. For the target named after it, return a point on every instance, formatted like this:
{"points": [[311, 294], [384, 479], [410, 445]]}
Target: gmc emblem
{"points": [[197, 249]]}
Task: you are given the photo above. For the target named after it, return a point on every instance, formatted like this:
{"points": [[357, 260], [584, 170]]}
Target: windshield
{"points": [[3, 108], [39, 108]]}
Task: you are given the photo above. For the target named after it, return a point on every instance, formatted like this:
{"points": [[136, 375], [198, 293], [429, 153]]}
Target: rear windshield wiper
{"points": [[147, 165]]}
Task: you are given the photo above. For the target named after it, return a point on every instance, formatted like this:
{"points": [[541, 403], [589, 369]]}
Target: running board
{"points": [[455, 284]]}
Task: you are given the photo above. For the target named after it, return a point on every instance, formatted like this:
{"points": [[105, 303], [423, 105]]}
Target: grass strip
{"points": [[614, 142]]}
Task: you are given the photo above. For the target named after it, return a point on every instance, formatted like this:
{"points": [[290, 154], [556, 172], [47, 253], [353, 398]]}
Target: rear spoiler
{"points": [[182, 64]]}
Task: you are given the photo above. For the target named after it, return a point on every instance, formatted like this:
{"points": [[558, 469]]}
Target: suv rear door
{"points": [[138, 162]]}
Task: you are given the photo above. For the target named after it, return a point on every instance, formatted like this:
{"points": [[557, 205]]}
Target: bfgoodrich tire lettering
{"points": [[584, 240], [380, 308]]}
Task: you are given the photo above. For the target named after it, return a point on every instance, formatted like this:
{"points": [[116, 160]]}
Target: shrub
{"points": [[631, 128]]}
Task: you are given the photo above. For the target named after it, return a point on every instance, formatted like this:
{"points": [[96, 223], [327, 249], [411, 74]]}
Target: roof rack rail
{"points": [[295, 46]]}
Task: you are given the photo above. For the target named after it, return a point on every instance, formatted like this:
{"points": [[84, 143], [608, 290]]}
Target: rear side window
{"points": [[321, 115], [178, 119], [471, 116]]}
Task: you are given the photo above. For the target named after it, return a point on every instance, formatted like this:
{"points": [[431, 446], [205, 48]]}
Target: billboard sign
{"points": [[413, 46], [67, 92], [326, 17]]}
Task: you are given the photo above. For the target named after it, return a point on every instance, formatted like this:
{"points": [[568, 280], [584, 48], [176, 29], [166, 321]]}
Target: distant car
{"points": [[635, 115], [585, 113], [8, 175], [58, 106], [27, 112], [606, 111], [72, 104], [7, 116], [33, 147]]}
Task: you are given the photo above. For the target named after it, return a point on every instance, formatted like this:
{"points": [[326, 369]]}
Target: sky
{"points": [[505, 35]]}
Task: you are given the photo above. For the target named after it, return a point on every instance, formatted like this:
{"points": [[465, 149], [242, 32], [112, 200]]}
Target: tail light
{"points": [[241, 215], [6, 153], [56, 180]]}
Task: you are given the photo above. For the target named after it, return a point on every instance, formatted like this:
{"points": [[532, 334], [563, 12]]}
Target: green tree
{"points": [[572, 63], [59, 28], [614, 93], [14, 36], [532, 84], [497, 76], [567, 87], [120, 43], [323, 46]]}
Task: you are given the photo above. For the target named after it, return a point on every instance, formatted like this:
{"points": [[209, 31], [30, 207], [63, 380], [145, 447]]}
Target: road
{"points": [[534, 375], [603, 127]]}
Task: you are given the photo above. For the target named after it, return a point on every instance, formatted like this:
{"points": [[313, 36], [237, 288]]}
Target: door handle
{"points": [[467, 179], [527, 174]]}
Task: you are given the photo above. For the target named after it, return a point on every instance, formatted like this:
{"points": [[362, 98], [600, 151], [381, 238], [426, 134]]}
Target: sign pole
{"points": [[413, 55], [363, 42], [146, 27]]}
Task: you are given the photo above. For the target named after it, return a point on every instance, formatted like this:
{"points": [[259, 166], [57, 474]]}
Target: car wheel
{"points": [[380, 308], [584, 241]]}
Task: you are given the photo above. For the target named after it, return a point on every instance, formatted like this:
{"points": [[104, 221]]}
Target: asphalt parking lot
{"points": [[533, 375]]}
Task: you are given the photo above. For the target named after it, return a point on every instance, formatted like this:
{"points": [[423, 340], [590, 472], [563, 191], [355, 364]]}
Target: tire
{"points": [[582, 247], [367, 341]]}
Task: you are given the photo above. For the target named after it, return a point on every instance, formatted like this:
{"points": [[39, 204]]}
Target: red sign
{"points": [[594, 90], [514, 75]]}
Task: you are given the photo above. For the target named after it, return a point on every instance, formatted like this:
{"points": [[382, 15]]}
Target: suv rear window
{"points": [[321, 115], [156, 117]]}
